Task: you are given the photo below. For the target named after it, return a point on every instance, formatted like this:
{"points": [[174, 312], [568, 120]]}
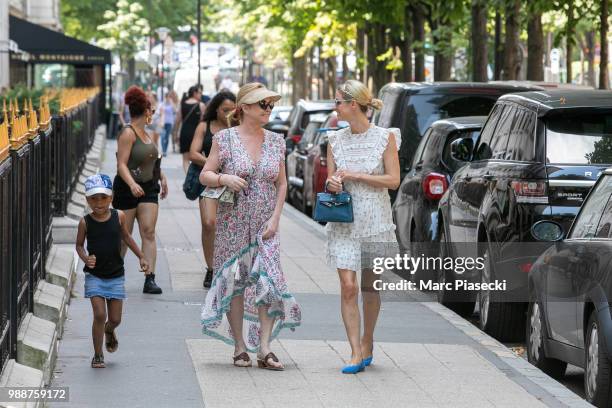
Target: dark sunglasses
{"points": [[339, 101], [265, 105]]}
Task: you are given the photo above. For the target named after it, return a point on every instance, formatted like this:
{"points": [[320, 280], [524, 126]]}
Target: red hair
{"points": [[137, 101]]}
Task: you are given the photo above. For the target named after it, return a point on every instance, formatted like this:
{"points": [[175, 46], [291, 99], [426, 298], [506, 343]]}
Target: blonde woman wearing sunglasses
{"points": [[362, 160], [248, 284]]}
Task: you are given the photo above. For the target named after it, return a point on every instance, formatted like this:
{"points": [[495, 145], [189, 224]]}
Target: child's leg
{"points": [[99, 319], [130, 216], [114, 307]]}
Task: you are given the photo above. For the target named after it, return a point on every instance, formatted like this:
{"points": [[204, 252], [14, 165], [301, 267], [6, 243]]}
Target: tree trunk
{"points": [[345, 68], [379, 72], [569, 41], [360, 54], [442, 39], [131, 69], [535, 48], [512, 63], [331, 77], [479, 40], [298, 79], [590, 56], [603, 39], [499, 50], [406, 47], [309, 73], [418, 19], [322, 75]]}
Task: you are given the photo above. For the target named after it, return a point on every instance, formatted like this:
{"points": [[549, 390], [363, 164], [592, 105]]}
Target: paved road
{"points": [[425, 356]]}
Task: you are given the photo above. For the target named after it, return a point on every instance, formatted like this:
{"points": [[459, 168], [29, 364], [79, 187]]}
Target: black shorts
{"points": [[123, 198]]}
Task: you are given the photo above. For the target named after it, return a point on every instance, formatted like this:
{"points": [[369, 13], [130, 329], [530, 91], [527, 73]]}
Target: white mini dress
{"points": [[373, 220]]}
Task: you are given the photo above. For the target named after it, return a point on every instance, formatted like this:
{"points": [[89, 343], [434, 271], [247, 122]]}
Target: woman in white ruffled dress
{"points": [[363, 160]]}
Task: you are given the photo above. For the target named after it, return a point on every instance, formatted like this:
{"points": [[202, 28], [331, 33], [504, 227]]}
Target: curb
{"points": [[39, 332], [561, 395]]}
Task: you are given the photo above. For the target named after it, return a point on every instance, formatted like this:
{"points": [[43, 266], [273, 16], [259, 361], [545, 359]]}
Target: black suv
{"points": [[413, 107], [537, 157]]}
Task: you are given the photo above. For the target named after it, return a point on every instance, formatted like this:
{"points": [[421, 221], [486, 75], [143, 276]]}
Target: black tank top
{"points": [[190, 120], [208, 139], [104, 241]]}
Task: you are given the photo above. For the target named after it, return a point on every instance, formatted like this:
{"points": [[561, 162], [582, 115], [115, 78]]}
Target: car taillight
{"points": [[533, 192], [434, 186], [526, 267], [296, 138]]}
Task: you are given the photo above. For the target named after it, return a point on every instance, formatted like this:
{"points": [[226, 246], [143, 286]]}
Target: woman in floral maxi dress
{"points": [[249, 285]]}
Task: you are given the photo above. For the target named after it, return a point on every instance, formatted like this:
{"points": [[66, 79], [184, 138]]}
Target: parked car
{"points": [[302, 161], [537, 157], [415, 210], [569, 316], [279, 122], [413, 107], [299, 118]]}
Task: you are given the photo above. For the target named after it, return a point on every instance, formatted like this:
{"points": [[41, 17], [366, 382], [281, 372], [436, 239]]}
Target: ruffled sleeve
{"points": [[333, 138], [398, 136]]}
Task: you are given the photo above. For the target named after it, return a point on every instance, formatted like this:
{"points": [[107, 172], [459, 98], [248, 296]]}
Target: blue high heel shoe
{"points": [[367, 361], [353, 368]]}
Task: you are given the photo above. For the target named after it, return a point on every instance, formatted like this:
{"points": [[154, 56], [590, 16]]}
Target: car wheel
{"points": [[502, 320], [536, 335], [416, 249], [450, 298], [597, 367]]}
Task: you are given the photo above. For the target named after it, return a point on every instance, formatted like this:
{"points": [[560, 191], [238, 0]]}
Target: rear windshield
{"points": [[584, 138], [429, 108]]}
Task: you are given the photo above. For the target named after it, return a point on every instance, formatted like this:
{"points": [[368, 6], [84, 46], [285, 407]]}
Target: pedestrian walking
{"points": [[168, 111], [214, 120], [139, 181], [362, 160], [155, 127], [104, 230], [187, 120], [248, 283]]}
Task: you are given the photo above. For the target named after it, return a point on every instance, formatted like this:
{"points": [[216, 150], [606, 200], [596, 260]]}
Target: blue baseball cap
{"points": [[98, 184]]}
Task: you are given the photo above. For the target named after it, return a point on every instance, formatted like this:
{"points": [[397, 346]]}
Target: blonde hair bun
{"points": [[376, 104]]}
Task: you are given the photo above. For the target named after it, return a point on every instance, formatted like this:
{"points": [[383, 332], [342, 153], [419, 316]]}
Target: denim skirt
{"points": [[107, 288]]}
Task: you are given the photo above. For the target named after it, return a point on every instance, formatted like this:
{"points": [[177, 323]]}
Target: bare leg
{"points": [[115, 308], [99, 318], [349, 291], [371, 309], [235, 316], [267, 324], [185, 162], [130, 216], [208, 216], [147, 219]]}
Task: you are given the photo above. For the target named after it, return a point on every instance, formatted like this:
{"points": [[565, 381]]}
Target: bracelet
{"points": [[219, 180]]}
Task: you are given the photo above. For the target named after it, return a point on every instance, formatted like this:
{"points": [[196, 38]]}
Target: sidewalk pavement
{"points": [[425, 355]]}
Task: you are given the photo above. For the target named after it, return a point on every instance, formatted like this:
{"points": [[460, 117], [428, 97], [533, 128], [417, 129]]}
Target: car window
{"points": [[385, 117], [309, 134], [419, 153], [451, 163], [587, 220], [432, 107], [579, 138], [604, 228], [483, 150], [499, 141], [522, 136]]}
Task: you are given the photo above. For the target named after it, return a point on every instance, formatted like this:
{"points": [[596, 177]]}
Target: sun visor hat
{"points": [[259, 94]]}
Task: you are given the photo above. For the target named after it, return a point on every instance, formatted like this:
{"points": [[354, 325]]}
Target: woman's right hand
{"points": [[234, 183], [136, 190], [334, 184]]}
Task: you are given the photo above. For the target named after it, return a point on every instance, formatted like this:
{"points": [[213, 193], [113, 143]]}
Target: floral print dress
{"points": [[244, 263]]}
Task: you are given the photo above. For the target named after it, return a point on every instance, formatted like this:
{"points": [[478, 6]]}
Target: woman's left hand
{"points": [[270, 230], [347, 175], [164, 187]]}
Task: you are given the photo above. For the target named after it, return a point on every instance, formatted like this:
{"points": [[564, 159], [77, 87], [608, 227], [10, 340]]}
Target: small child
{"points": [[104, 230]]}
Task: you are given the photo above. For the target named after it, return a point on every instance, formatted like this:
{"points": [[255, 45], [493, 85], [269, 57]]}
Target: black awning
{"points": [[49, 47]]}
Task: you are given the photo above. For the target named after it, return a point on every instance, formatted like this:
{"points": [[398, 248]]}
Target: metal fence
{"points": [[39, 168]]}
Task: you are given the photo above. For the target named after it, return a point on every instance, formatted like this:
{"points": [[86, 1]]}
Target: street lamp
{"points": [[162, 33]]}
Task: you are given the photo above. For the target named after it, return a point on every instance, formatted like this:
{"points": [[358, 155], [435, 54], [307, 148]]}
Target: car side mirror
{"points": [[461, 149], [546, 230]]}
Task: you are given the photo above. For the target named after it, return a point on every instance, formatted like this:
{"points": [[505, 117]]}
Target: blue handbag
{"points": [[331, 207]]}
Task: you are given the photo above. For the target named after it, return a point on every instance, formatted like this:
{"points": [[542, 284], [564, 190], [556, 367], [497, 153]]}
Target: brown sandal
{"points": [[263, 363], [242, 357], [112, 344]]}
